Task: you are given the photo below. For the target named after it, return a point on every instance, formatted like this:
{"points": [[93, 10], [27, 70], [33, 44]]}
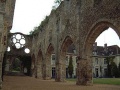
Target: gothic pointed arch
{"points": [[67, 42], [49, 61], [95, 31]]}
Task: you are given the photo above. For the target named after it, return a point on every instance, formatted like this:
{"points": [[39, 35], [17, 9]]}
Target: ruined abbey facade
{"points": [[77, 22]]}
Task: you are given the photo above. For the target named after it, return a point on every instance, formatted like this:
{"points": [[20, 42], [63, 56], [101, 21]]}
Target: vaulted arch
{"points": [[67, 45], [49, 62], [86, 59], [94, 32], [67, 42]]}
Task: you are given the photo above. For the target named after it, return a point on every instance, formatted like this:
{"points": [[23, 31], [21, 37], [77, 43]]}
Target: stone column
{"points": [[44, 68], [61, 68], [39, 71], [39, 67], [0, 74], [84, 72], [48, 67], [1, 38]]}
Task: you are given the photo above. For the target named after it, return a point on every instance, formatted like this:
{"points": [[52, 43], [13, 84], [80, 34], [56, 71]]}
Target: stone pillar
{"points": [[39, 71], [1, 38], [0, 74], [61, 68], [84, 72], [44, 69], [48, 67], [33, 69], [7, 66], [39, 66]]}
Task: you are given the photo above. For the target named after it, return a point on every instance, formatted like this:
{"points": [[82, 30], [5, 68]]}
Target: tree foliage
{"points": [[112, 69], [56, 3], [40, 27], [16, 64], [119, 69], [109, 61], [70, 67]]}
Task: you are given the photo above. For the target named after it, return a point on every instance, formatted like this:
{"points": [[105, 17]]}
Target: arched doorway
{"points": [[50, 62], [67, 52], [85, 71]]}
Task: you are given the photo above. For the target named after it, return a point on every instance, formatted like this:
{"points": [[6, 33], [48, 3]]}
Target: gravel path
{"points": [[30, 83]]}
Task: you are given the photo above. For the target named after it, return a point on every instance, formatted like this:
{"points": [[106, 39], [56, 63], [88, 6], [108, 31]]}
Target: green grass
{"points": [[110, 81]]}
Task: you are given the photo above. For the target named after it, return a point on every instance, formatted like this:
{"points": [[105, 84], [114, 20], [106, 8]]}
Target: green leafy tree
{"points": [[70, 67], [16, 64], [114, 70], [109, 61], [119, 69]]}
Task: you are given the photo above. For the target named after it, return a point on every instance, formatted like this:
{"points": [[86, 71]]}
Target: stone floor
{"points": [[30, 83]]}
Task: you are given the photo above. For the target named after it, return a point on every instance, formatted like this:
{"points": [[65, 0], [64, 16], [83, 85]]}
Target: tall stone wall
{"points": [[79, 22], [6, 18]]}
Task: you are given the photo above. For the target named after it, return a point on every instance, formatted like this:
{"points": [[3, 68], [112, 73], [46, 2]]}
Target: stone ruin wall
{"points": [[6, 19], [78, 19]]}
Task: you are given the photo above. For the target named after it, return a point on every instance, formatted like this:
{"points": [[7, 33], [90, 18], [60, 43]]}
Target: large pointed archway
{"points": [[61, 64], [85, 63]]}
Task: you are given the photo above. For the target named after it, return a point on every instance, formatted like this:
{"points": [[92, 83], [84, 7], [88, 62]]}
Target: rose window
{"points": [[18, 41]]}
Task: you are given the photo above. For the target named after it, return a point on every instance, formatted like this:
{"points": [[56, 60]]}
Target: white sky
{"points": [[108, 36], [29, 13]]}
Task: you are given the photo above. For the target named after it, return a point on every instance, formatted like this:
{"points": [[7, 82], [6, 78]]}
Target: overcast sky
{"points": [[29, 13]]}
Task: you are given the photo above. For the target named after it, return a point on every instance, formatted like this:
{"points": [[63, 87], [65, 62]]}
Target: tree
{"points": [[57, 3], [119, 69], [114, 70], [109, 61], [70, 67], [16, 64]]}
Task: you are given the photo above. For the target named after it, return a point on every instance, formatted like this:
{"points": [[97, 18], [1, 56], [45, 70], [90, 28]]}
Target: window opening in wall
{"points": [[8, 49], [27, 50], [53, 57], [18, 41], [96, 60], [105, 61]]}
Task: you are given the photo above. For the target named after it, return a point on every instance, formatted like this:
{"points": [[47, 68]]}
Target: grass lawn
{"points": [[110, 81]]}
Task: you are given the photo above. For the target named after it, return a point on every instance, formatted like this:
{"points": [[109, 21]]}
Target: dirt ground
{"points": [[30, 83]]}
